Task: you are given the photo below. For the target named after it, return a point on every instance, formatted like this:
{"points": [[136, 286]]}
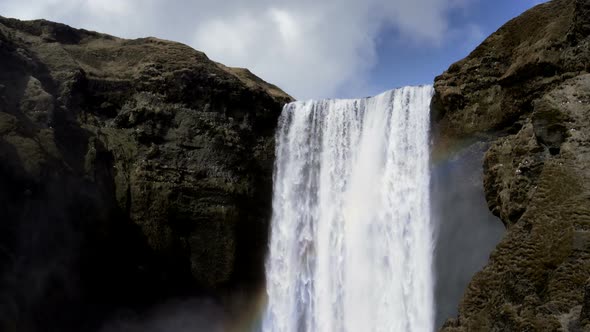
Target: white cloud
{"points": [[309, 48], [110, 7]]}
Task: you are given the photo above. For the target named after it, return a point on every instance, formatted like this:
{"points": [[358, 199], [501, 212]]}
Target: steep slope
{"points": [[526, 90], [131, 171]]}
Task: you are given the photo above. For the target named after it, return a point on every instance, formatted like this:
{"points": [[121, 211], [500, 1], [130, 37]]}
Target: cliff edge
{"points": [[526, 91], [131, 171]]}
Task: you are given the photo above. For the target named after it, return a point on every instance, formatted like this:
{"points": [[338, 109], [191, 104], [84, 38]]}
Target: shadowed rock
{"points": [[131, 171]]}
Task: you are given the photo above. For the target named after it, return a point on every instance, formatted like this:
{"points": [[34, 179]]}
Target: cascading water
{"points": [[351, 239]]}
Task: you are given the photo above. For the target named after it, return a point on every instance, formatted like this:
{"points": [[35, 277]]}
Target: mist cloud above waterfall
{"points": [[309, 48]]}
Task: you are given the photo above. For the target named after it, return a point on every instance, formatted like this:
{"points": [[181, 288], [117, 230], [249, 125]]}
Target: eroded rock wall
{"points": [[131, 171], [527, 90]]}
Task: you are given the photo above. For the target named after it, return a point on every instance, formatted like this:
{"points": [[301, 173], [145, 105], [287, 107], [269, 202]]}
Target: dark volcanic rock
{"points": [[131, 171], [527, 89]]}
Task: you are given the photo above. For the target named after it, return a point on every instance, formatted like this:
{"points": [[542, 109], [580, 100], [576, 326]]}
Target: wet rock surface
{"points": [[131, 171], [466, 231], [527, 90]]}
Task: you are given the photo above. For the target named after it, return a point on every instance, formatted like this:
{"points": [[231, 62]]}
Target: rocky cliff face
{"points": [[131, 171], [526, 90]]}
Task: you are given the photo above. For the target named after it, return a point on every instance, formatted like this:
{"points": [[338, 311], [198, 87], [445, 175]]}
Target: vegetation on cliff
{"points": [[526, 90], [131, 171]]}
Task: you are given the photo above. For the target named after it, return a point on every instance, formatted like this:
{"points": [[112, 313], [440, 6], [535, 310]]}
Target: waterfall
{"points": [[351, 239]]}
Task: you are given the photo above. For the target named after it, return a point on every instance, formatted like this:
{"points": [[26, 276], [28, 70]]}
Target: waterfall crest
{"points": [[351, 236]]}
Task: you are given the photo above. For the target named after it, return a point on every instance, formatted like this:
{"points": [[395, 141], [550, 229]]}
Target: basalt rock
{"points": [[526, 90], [131, 171]]}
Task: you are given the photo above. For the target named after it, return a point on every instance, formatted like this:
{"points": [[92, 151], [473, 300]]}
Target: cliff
{"points": [[131, 171], [526, 91]]}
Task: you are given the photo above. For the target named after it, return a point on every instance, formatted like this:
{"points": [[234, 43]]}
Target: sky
{"points": [[309, 48]]}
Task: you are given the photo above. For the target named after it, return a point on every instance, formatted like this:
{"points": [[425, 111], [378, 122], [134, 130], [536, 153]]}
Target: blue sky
{"points": [[401, 63], [310, 48]]}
